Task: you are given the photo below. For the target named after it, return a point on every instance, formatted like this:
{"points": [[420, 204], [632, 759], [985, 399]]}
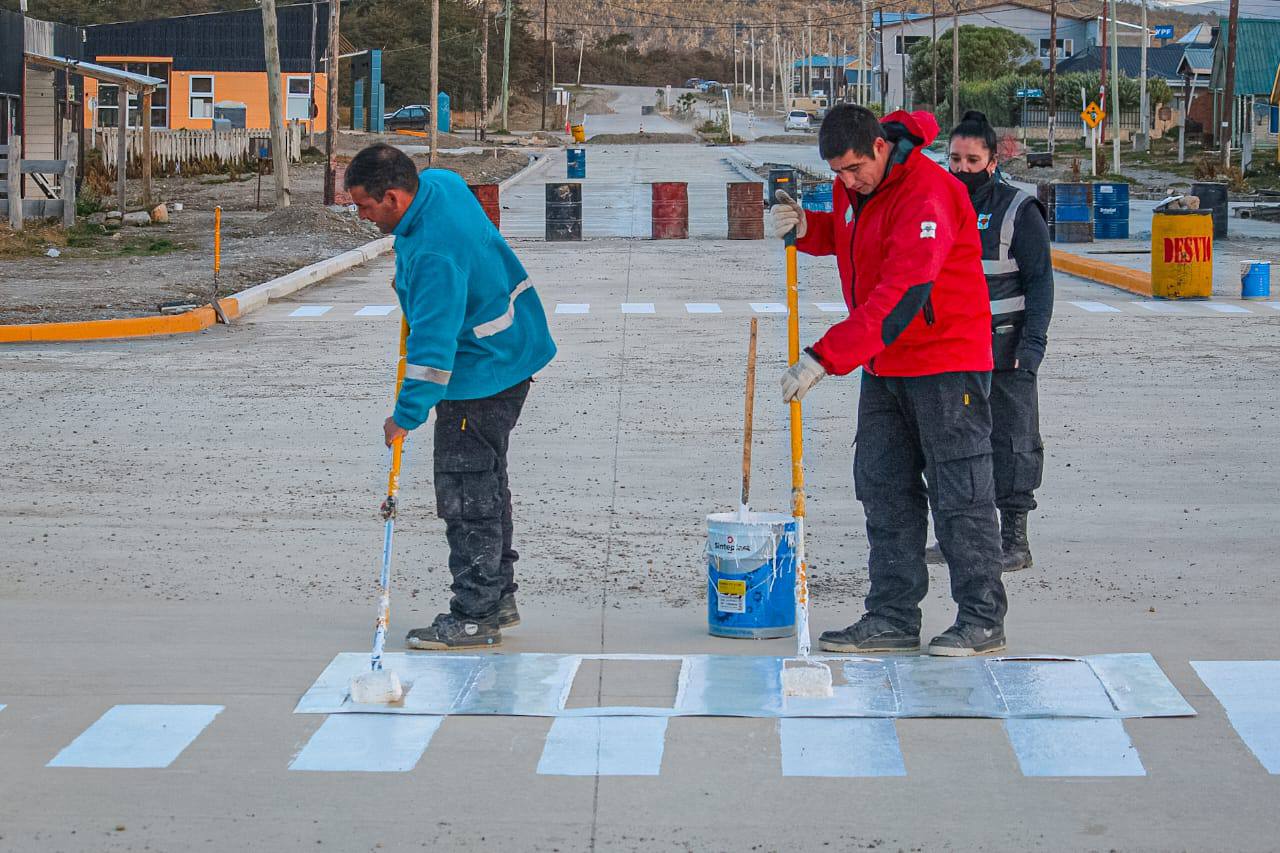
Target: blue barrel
{"points": [[576, 158], [1255, 279], [1111, 211], [444, 115], [751, 575], [817, 197], [1073, 202]]}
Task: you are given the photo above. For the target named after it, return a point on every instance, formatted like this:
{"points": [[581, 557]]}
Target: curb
{"points": [[259, 295], [1102, 272]]}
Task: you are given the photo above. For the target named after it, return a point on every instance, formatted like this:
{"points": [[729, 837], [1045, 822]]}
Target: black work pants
{"points": [[1017, 453], [473, 497], [935, 429]]}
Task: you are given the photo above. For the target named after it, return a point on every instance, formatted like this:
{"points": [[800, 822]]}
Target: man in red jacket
{"points": [[906, 243]]}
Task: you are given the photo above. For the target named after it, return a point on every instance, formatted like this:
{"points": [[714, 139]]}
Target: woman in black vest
{"points": [[1017, 263]]}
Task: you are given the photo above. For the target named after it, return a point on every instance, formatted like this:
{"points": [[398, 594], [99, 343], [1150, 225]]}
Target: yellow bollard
{"points": [[217, 265], [1182, 254]]}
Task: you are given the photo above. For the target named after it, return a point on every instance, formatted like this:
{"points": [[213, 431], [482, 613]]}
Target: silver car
{"points": [[797, 120]]}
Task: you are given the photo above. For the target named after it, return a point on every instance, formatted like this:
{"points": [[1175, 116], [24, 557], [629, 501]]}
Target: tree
{"points": [[985, 54]]}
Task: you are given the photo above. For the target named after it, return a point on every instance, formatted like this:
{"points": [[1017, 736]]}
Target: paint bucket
{"points": [[1111, 211], [1073, 203], [751, 575], [1213, 197], [817, 197], [488, 195], [564, 212], [576, 163], [670, 210], [746, 210], [1255, 279], [1182, 254], [579, 132]]}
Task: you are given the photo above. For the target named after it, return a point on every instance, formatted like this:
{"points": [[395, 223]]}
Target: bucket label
{"points": [[731, 596], [1185, 250]]}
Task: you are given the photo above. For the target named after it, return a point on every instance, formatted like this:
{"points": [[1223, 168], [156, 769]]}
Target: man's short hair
{"points": [[379, 168], [849, 127]]}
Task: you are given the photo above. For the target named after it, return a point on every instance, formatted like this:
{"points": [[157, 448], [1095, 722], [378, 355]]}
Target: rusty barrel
{"points": [[746, 210], [670, 210], [564, 212], [487, 195]]}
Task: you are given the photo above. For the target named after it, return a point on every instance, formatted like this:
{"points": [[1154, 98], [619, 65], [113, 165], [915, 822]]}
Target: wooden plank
{"points": [[69, 183], [15, 186], [43, 167], [42, 208]]}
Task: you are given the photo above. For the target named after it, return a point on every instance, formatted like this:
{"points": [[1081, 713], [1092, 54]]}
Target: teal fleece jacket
{"points": [[476, 325]]}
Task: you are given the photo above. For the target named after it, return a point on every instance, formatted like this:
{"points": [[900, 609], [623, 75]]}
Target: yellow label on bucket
{"points": [[725, 587], [731, 596]]}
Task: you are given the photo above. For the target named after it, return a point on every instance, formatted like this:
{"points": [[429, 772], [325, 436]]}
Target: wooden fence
{"points": [[53, 179], [173, 149]]}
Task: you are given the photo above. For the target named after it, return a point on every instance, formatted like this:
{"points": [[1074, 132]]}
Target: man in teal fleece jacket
{"points": [[477, 334]]}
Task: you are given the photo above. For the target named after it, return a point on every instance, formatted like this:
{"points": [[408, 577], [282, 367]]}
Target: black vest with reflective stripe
{"points": [[997, 206]]}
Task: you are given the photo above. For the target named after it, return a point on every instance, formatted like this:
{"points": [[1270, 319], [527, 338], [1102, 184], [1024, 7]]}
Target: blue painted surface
{"points": [[1111, 211], [751, 575], [576, 163], [368, 743], [1073, 747], [444, 113], [836, 747], [1249, 691], [817, 197], [137, 736], [604, 746], [1255, 283]]}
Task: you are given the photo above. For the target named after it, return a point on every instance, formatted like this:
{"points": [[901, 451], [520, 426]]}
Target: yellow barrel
{"points": [[579, 133], [1182, 254]]}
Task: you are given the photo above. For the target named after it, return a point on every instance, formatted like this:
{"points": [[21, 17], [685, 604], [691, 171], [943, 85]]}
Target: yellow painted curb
{"points": [[1134, 281], [125, 327]]}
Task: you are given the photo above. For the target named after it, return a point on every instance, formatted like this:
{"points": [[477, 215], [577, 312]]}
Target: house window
{"points": [[201, 97], [905, 43], [299, 97], [1064, 48], [109, 97]]}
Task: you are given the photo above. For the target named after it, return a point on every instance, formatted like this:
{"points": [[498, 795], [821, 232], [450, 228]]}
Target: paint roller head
{"points": [[377, 687], [806, 678]]}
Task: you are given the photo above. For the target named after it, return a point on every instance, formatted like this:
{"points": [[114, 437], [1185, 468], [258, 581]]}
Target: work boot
{"points": [[963, 640], [451, 632], [508, 615], [1016, 550], [870, 634], [933, 555]]}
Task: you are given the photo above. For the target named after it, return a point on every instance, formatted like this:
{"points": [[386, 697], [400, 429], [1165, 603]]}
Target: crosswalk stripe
{"points": [[1275, 305], [831, 307], [1161, 307], [1249, 691], [137, 736], [840, 747], [368, 743], [1073, 747], [1226, 308], [375, 310], [702, 308], [604, 746], [768, 308], [637, 308], [1096, 307], [573, 308], [311, 311]]}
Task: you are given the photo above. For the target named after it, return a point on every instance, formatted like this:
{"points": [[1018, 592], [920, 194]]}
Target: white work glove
{"points": [[800, 377], [787, 214]]}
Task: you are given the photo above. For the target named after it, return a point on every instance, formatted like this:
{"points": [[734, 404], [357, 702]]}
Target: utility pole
{"points": [[434, 136], [808, 55], [955, 62], [777, 69], [831, 73], [311, 87], [506, 64], [1229, 89], [1053, 70], [275, 101], [1144, 109], [484, 70], [1115, 89], [1102, 78], [582, 48], [933, 50], [863, 90], [884, 67], [546, 89], [331, 106]]}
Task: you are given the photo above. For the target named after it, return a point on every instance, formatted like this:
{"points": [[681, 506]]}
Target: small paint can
{"points": [[751, 575], [1255, 279]]}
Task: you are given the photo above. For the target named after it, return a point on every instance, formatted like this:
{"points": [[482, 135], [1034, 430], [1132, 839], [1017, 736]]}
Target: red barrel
{"points": [[671, 210], [746, 211], [487, 195]]}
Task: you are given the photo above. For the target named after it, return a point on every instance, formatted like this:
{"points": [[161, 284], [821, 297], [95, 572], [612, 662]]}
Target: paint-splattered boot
{"points": [[450, 632], [1013, 541], [508, 613]]}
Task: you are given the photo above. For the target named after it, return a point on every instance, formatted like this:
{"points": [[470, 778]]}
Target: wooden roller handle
{"points": [[750, 409]]}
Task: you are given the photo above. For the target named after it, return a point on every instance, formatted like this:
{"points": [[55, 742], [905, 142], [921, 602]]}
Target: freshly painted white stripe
{"points": [[137, 736], [2, 707], [375, 310], [573, 308], [1227, 308], [311, 311], [840, 747], [1097, 307], [368, 743], [1275, 305], [637, 308], [832, 307], [1162, 307], [768, 308], [604, 746], [1249, 691], [702, 307], [1064, 746]]}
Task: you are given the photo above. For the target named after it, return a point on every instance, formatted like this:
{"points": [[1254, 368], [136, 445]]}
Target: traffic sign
{"points": [[1093, 115], [1030, 93], [1164, 31]]}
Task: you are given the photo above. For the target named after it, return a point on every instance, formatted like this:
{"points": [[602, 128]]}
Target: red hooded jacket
{"points": [[910, 265]]}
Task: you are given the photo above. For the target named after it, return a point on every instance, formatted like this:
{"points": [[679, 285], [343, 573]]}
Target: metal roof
{"points": [[104, 73], [1162, 62], [1198, 59], [1257, 55], [822, 61]]}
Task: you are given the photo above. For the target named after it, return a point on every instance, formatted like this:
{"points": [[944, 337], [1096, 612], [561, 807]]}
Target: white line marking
{"points": [[1275, 305], [376, 310], [368, 743], [702, 307], [768, 308], [311, 311], [1249, 691], [1097, 307], [604, 746], [573, 308], [832, 307], [1161, 307], [840, 747], [1227, 308], [637, 308], [1047, 746], [137, 736]]}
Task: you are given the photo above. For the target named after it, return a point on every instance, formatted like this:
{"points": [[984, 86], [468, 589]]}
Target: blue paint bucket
{"points": [[817, 197], [751, 575], [1255, 279], [1111, 211], [576, 158]]}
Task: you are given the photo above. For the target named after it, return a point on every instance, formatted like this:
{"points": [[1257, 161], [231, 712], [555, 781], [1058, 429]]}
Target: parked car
{"points": [[711, 87], [797, 120], [408, 117], [692, 83]]}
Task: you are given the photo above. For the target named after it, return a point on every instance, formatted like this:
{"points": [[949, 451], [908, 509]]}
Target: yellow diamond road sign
{"points": [[1093, 115]]}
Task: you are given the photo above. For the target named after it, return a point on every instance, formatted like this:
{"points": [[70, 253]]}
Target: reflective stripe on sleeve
{"points": [[1001, 267], [1008, 306], [504, 321], [427, 374]]}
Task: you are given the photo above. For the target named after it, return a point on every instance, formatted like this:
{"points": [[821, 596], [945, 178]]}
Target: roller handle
{"points": [[749, 413]]}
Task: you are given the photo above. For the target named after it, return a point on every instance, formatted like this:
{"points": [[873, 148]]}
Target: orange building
{"points": [[214, 66]]}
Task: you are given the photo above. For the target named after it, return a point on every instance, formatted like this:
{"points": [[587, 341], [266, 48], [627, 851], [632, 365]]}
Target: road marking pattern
{"points": [[137, 736]]}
